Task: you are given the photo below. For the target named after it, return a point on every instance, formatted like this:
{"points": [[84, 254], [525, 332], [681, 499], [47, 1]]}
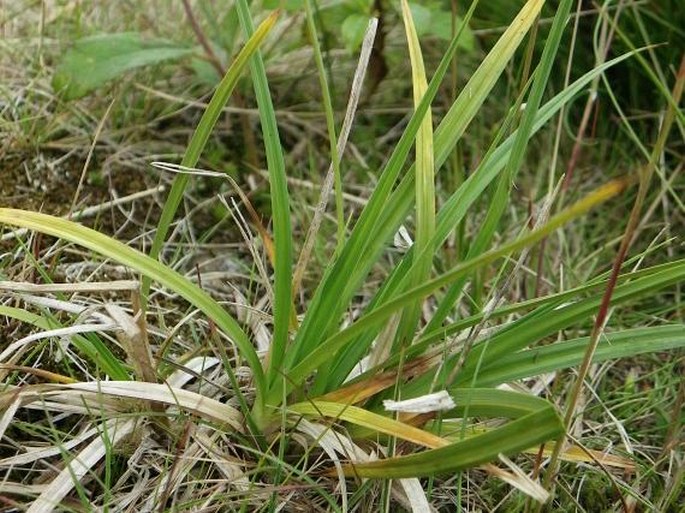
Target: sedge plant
{"points": [[428, 373]]}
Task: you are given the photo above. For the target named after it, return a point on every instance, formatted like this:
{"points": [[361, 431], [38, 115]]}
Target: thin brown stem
{"points": [[202, 39], [645, 175]]}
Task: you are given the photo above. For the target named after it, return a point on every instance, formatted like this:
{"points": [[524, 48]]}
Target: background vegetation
{"points": [[210, 293]]}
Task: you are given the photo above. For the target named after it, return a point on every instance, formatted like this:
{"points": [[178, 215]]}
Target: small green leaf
{"points": [[95, 60], [204, 71], [353, 29], [422, 18], [441, 27]]}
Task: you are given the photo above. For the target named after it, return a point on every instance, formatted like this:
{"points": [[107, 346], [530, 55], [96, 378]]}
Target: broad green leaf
{"points": [[108, 247], [433, 21], [95, 60], [441, 27], [205, 72]]}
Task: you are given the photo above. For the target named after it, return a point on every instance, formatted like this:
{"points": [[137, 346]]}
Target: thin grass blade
{"points": [[280, 206], [425, 182], [200, 137]]}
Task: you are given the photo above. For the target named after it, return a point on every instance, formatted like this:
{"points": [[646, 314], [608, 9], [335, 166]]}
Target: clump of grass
{"points": [[405, 391]]}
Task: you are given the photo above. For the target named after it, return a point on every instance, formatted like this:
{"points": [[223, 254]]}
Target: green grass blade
{"points": [[333, 280], [661, 276], [511, 438], [425, 181], [199, 139], [506, 180], [562, 355], [489, 402], [147, 266], [521, 408], [280, 206], [478, 402], [547, 320]]}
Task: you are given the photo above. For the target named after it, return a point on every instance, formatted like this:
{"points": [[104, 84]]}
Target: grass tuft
{"points": [[160, 347]]}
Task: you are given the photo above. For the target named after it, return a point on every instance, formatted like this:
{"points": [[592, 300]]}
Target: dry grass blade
{"points": [[14, 351], [42, 288], [100, 394], [517, 478], [576, 454], [329, 180], [46, 375], [8, 414], [204, 407], [428, 403], [329, 441], [38, 453], [416, 495]]}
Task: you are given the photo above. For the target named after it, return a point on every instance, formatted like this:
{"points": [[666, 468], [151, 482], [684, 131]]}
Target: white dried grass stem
{"points": [[437, 401], [100, 286]]}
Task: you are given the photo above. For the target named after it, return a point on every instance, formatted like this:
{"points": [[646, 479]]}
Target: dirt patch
{"points": [[47, 183]]}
